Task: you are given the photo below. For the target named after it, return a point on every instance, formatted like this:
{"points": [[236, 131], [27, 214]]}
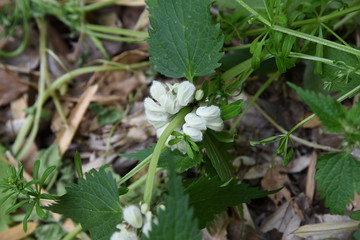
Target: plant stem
{"points": [[41, 86], [56, 85], [295, 138], [113, 30], [25, 40], [176, 122], [71, 235], [98, 5], [253, 100]]}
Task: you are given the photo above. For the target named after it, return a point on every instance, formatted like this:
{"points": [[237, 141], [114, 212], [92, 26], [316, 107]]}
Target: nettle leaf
{"points": [[94, 203], [176, 222], [210, 197], [338, 175], [183, 41], [330, 112], [219, 157], [182, 162]]}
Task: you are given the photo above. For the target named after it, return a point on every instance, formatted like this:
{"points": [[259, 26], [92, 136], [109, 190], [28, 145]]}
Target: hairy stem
{"points": [[176, 122]]}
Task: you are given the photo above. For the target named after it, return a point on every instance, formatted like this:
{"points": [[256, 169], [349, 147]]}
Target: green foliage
{"points": [[210, 197], [182, 162], [218, 154], [333, 115], [339, 179], [16, 185], [183, 41], [51, 231], [93, 202], [176, 222], [231, 110], [105, 115], [355, 215], [4, 218]]}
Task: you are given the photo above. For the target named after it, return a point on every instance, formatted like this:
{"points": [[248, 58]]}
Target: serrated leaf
{"points": [[176, 222], [183, 41], [212, 196], [219, 157], [181, 161], [339, 179], [330, 112], [94, 203]]}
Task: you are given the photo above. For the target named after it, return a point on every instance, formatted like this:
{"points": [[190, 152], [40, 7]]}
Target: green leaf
{"points": [[183, 41], [212, 196], [4, 196], [231, 110], [338, 175], [330, 112], [94, 203], [176, 222], [355, 215], [105, 115], [181, 161], [78, 164], [49, 231], [219, 157]]}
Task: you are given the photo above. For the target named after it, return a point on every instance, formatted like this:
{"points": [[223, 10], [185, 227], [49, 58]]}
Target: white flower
{"points": [[195, 134], [156, 120], [217, 124], [157, 89], [208, 113], [132, 215], [124, 235], [152, 106], [147, 225], [159, 131], [199, 94], [170, 103], [185, 93], [195, 121]]}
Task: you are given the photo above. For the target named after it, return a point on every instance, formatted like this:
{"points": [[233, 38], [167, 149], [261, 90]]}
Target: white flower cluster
{"points": [[170, 99], [134, 219]]}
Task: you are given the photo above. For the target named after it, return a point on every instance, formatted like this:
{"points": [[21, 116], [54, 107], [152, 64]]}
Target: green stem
{"points": [[25, 40], [175, 123], [71, 235], [41, 86], [114, 38], [253, 99], [60, 82], [98, 5], [340, 99], [255, 13], [113, 30]]}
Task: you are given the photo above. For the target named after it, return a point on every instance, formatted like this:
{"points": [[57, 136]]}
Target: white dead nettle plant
{"points": [[167, 100]]}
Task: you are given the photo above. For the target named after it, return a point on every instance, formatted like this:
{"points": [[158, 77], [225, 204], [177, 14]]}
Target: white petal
{"points": [[132, 215], [169, 102], [157, 120], [195, 134], [152, 106], [208, 113], [216, 125], [157, 89], [185, 93], [195, 121], [124, 235], [147, 225]]}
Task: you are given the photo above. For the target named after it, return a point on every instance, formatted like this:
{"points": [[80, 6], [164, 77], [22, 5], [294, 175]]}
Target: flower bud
{"points": [[132, 215], [185, 93], [199, 94], [157, 89], [144, 208], [195, 134], [195, 121]]}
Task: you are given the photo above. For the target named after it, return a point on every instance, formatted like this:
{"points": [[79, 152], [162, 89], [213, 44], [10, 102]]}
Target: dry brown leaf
{"points": [[10, 86], [274, 179], [310, 178], [67, 133], [326, 230], [298, 164], [257, 171], [17, 232], [284, 219], [313, 123]]}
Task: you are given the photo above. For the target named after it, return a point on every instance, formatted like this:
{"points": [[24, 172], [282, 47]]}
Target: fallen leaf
{"points": [[10, 87], [17, 232], [298, 164], [257, 171], [313, 123], [67, 133], [310, 178], [284, 219]]}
